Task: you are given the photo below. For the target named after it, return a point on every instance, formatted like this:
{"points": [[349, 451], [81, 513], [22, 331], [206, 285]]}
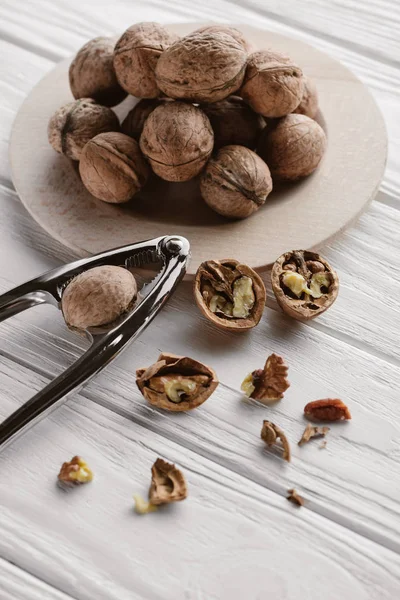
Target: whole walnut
{"points": [[234, 122], [236, 182], [293, 147], [232, 31], [135, 57], [92, 75], [112, 167], [134, 121], [202, 67], [75, 123], [309, 102], [273, 84], [177, 140]]}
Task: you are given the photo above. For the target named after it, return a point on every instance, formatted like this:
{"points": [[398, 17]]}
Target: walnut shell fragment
{"points": [[271, 433], [235, 182], [177, 140], [75, 123], [305, 285], [176, 383], [202, 67], [231, 295], [167, 483], [293, 147], [330, 409], [269, 384], [112, 167], [75, 472], [273, 84], [309, 101], [295, 498], [232, 31], [92, 75], [312, 432], [135, 57]]}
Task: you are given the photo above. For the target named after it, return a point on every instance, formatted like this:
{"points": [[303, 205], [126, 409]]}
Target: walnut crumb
{"points": [[322, 446], [270, 433], [311, 432], [74, 472], [142, 507], [295, 498]]}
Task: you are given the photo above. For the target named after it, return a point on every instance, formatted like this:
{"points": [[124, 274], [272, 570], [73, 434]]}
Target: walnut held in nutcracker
{"points": [[74, 472], [312, 432], [75, 123], [133, 123], [235, 182], [229, 294], [271, 433], [98, 296], [269, 384], [304, 284], [309, 102], [92, 75], [167, 483], [232, 31], [234, 122], [273, 84], [330, 409], [293, 147], [202, 67], [112, 167], [177, 140], [135, 57], [176, 383]]}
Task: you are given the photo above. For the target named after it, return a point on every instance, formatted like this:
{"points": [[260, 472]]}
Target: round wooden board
{"points": [[302, 215]]}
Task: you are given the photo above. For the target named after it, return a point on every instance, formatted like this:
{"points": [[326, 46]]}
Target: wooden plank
{"points": [[16, 584], [230, 538]]}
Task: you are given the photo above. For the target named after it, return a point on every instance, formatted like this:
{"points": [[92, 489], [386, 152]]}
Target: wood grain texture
{"points": [[17, 584]]}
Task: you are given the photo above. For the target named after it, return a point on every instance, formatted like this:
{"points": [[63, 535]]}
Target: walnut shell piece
{"points": [[202, 67], [92, 75], [177, 140], [75, 472], [273, 84], [133, 123], [75, 123], [305, 285], [176, 383], [135, 57], [293, 148], [112, 167], [235, 182], [330, 409], [312, 432], [98, 296], [231, 295], [269, 384], [309, 102], [271, 434], [167, 483], [232, 31]]}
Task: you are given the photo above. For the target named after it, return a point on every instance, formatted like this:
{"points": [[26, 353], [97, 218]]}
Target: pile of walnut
{"points": [[209, 107]]}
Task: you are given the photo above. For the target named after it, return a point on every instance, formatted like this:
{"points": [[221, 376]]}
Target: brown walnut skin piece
{"points": [[177, 140], [303, 308], [135, 57], [234, 123], [329, 410], [167, 484], [235, 182], [77, 122], [92, 75], [309, 102], [210, 269], [112, 167], [134, 121], [273, 84], [202, 67], [232, 31], [293, 147], [171, 364]]}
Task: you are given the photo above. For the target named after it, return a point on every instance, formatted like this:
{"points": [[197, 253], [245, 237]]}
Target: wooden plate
{"points": [[302, 215]]}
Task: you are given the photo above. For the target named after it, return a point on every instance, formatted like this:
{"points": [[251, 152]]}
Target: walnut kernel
{"points": [[330, 409], [271, 433], [295, 498], [167, 483], [142, 506], [74, 472], [267, 385]]}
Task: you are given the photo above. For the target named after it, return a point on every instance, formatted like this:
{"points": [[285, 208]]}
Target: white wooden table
{"points": [[236, 537]]}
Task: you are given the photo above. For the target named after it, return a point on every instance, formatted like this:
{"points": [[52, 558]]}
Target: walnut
{"points": [[312, 432], [273, 84], [234, 122], [176, 383], [271, 433], [293, 148], [135, 57], [92, 75], [330, 409], [232, 31], [167, 483], [112, 167], [309, 102], [133, 123], [267, 385], [231, 295], [75, 123], [295, 498], [177, 140], [235, 182], [142, 506], [98, 296], [74, 472], [302, 291], [202, 67]]}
